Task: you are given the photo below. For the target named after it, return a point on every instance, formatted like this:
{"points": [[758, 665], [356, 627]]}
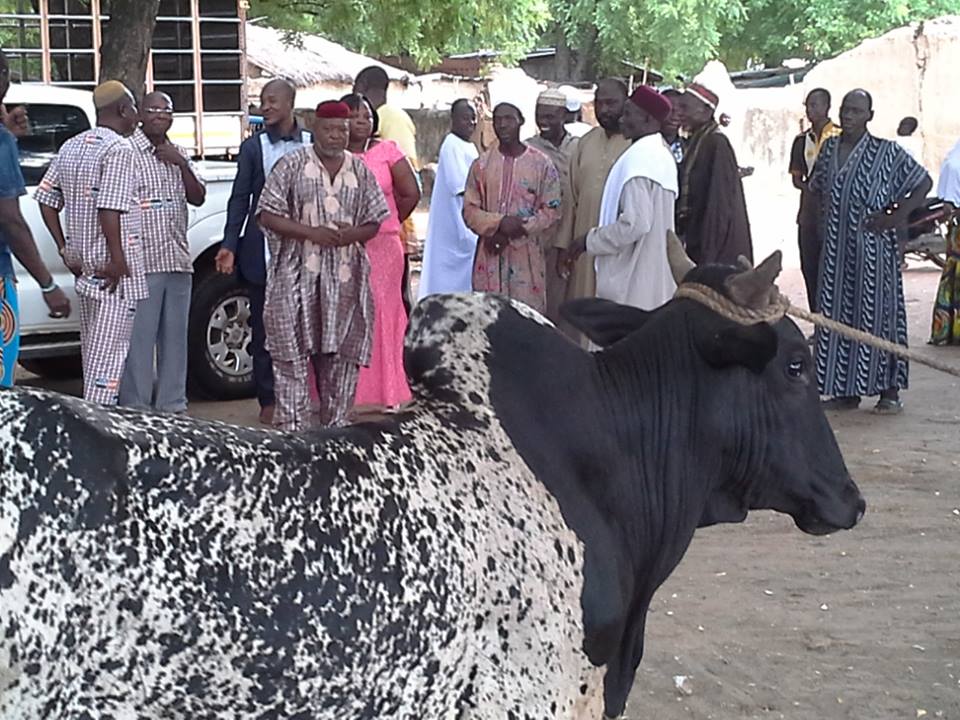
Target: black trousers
{"points": [[262, 363], [810, 248]]}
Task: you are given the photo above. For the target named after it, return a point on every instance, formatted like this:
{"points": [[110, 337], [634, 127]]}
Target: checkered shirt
{"points": [[163, 205], [97, 170]]}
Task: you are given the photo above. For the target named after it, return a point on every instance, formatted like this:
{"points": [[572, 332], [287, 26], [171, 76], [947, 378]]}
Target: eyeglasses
{"points": [[159, 111]]}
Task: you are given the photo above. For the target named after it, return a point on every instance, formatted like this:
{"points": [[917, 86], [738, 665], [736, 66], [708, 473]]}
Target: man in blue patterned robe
{"points": [[866, 188]]}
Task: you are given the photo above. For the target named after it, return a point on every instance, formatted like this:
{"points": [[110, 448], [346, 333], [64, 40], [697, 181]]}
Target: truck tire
{"points": [[220, 366]]}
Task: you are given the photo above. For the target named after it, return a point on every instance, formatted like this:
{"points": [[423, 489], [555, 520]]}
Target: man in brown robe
{"points": [[319, 206], [711, 210], [590, 163]]}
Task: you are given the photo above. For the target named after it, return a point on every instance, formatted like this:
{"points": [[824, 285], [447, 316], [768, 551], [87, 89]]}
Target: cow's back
{"points": [[409, 569]]}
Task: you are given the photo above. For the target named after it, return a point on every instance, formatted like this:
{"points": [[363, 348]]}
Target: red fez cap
{"points": [[646, 98], [707, 97], [333, 109]]}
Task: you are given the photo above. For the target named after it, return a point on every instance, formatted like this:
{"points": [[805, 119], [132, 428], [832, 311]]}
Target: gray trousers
{"points": [[155, 376]]}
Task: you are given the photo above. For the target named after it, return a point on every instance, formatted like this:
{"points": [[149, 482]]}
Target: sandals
{"points": [[888, 406], [841, 403]]}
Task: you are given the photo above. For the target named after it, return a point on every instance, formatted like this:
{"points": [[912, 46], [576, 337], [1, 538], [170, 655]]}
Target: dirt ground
{"points": [[762, 621], [766, 622]]}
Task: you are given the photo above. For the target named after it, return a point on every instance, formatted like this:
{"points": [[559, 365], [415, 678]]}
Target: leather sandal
{"points": [[888, 406]]}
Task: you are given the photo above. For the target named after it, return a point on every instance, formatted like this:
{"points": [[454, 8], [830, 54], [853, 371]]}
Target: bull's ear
{"points": [[752, 346], [602, 321]]}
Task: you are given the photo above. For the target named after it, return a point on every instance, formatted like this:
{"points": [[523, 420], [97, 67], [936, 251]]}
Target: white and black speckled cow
{"points": [[488, 554]]}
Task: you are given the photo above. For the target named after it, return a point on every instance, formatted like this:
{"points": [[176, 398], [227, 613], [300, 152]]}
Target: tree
{"points": [[425, 29], [592, 35], [126, 42], [672, 37], [775, 30], [127, 37]]}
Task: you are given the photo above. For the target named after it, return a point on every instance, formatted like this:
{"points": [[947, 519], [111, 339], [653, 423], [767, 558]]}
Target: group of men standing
{"points": [[543, 220], [556, 217], [125, 188]]}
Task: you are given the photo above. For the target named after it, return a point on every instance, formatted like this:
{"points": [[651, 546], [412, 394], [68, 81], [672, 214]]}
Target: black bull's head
{"points": [[773, 414], [753, 427]]}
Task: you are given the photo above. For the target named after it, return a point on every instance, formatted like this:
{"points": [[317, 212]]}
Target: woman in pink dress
{"points": [[384, 382]]}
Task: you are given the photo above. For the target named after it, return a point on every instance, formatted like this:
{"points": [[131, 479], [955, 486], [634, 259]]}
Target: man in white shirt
{"points": [[637, 210], [574, 120], [908, 139], [450, 245]]}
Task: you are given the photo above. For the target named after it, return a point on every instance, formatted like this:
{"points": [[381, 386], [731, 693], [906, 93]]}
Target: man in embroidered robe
{"points": [[511, 201], [319, 205]]}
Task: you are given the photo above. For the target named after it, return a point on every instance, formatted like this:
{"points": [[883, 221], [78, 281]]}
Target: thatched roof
{"points": [[307, 60]]}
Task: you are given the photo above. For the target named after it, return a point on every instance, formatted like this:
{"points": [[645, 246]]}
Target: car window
{"points": [[50, 127]]}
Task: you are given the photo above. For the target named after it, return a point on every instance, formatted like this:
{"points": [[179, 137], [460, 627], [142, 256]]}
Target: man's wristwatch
{"points": [[49, 288]]}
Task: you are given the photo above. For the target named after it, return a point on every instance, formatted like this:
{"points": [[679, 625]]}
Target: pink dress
{"points": [[384, 382]]}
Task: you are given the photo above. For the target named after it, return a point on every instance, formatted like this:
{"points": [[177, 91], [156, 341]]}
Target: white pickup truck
{"points": [[220, 365]]}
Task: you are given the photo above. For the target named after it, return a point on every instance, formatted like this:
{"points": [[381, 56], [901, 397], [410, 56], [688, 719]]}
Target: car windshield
{"points": [[50, 127]]}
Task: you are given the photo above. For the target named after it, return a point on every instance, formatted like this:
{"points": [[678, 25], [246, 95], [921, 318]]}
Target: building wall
{"points": [[909, 71]]}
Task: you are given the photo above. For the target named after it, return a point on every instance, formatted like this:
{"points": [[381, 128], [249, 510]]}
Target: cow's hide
{"points": [[163, 567]]}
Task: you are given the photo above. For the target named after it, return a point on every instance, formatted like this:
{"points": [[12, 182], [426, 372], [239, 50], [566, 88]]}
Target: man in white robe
{"points": [[450, 245], [637, 211]]}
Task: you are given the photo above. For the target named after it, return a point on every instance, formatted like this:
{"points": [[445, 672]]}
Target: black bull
{"points": [[490, 552]]}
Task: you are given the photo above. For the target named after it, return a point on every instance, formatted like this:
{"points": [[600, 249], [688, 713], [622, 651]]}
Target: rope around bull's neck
{"points": [[723, 306]]}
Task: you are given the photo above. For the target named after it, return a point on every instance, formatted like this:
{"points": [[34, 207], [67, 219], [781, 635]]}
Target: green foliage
{"points": [[815, 29], [673, 36], [426, 29]]}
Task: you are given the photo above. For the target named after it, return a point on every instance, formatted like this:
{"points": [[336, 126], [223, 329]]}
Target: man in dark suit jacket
{"points": [[243, 248]]}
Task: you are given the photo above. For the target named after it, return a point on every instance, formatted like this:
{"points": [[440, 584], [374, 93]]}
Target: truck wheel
{"points": [[220, 366]]}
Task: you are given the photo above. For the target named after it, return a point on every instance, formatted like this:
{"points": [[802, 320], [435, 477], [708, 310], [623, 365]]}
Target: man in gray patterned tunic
{"points": [[318, 207], [94, 177]]}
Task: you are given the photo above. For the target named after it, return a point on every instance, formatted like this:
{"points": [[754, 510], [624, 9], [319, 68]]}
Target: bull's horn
{"points": [[680, 262], [756, 288]]}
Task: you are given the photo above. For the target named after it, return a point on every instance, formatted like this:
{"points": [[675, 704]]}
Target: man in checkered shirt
{"points": [[168, 182], [95, 178]]}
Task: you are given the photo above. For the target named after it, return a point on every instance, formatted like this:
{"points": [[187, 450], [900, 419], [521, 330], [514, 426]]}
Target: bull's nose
{"points": [[861, 509]]}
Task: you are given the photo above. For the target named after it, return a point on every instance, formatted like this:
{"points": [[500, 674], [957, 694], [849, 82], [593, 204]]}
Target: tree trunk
{"points": [[126, 42], [585, 66], [561, 62]]}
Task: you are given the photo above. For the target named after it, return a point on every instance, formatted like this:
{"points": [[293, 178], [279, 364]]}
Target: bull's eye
{"points": [[795, 368]]}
